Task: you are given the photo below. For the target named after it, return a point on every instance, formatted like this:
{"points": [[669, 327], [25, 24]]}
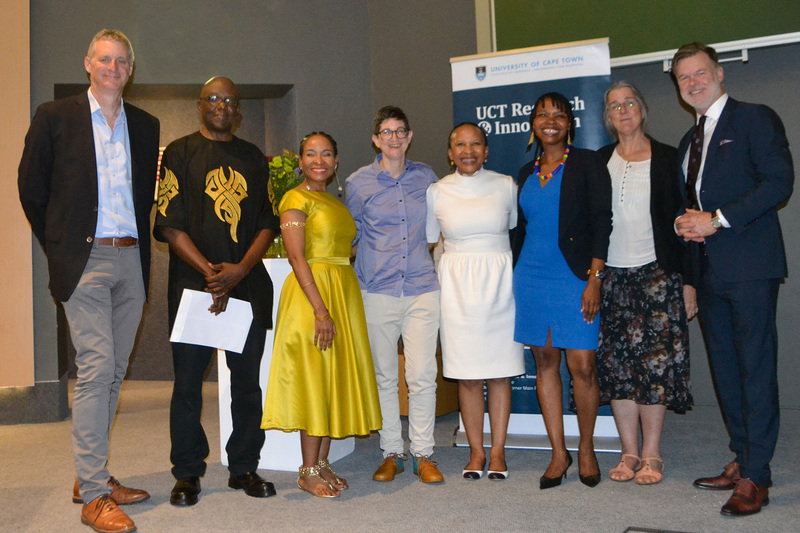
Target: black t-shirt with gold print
{"points": [[216, 192]]}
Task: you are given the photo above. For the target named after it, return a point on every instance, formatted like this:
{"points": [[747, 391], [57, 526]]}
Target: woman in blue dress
{"points": [[560, 249]]}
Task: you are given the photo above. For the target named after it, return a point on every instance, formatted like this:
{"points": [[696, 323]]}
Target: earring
{"points": [[530, 142]]}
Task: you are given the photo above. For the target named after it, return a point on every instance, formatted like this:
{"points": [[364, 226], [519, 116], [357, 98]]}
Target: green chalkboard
{"points": [[641, 26]]}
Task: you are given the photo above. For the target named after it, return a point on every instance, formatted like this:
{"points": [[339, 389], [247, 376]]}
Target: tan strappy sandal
{"points": [[622, 472], [648, 475]]}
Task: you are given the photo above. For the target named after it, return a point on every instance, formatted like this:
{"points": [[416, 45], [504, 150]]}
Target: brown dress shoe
{"points": [[390, 467], [725, 481], [426, 470], [104, 516], [121, 495], [748, 498]]}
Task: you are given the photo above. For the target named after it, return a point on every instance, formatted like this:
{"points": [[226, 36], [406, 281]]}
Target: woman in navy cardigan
{"points": [[560, 250]]}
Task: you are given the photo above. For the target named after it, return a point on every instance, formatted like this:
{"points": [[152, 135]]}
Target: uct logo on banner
{"points": [[480, 73]]}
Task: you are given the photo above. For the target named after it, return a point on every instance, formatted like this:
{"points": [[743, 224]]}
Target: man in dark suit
{"points": [[738, 171], [86, 183]]}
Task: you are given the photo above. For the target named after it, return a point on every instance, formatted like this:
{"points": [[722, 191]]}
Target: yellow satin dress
{"points": [[331, 393]]}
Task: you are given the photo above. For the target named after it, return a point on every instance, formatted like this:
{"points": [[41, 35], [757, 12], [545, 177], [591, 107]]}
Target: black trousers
{"points": [[738, 320], [189, 442]]}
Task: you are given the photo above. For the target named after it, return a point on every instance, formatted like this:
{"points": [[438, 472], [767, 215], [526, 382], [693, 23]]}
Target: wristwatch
{"points": [[596, 273], [716, 223]]}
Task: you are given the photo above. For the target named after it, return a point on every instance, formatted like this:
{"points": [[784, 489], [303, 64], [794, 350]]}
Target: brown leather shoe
{"points": [[748, 498], [122, 495], [725, 481], [390, 467], [426, 470], [103, 515]]}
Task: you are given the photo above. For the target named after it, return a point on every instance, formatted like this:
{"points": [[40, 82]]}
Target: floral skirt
{"points": [[643, 352]]}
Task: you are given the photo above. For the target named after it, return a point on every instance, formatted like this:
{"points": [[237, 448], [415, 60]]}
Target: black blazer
{"points": [[748, 174], [584, 213], [58, 185], [666, 198]]}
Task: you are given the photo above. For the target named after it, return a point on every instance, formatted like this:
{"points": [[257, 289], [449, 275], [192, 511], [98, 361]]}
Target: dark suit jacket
{"points": [[666, 199], [748, 173], [58, 185], [584, 216]]}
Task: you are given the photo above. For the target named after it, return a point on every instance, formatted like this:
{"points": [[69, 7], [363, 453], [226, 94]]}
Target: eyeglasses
{"points": [[216, 100], [616, 107], [386, 134]]}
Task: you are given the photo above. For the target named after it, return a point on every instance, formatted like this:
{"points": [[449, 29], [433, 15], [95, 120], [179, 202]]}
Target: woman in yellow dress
{"points": [[322, 380]]}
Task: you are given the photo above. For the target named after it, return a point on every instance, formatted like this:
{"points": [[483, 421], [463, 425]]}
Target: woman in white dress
{"points": [[473, 209]]}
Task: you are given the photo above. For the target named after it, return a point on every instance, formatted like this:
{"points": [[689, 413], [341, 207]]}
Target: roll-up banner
{"points": [[497, 91]]}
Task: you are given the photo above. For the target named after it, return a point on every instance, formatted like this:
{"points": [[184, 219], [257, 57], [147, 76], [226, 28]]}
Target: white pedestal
{"points": [[281, 450]]}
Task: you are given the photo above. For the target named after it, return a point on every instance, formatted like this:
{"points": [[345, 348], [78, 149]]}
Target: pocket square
{"points": [[725, 141]]}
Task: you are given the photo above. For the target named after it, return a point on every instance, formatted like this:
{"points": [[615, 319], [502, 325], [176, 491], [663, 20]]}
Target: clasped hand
{"points": [[695, 225], [227, 276]]}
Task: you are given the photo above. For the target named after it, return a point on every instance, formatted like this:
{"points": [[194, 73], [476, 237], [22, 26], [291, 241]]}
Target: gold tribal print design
{"points": [[167, 190], [227, 193]]}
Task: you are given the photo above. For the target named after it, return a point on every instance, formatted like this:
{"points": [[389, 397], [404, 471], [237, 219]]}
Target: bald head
{"points": [[218, 107], [215, 82]]}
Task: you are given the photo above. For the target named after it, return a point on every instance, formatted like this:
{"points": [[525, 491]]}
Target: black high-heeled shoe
{"points": [[592, 480], [550, 482]]}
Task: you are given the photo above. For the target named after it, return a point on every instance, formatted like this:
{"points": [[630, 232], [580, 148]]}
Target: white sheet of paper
{"points": [[194, 324]]}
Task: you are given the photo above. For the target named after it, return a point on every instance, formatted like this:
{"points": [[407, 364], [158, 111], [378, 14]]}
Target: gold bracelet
{"points": [[307, 284], [292, 225], [322, 318]]}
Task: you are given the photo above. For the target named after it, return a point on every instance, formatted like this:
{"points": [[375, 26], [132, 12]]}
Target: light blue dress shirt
{"points": [[115, 213], [390, 217]]}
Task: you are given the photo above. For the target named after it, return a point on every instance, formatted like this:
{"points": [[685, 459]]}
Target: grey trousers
{"points": [[103, 314]]}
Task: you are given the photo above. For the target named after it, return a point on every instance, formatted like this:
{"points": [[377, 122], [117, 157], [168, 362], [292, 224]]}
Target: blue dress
{"points": [[547, 292]]}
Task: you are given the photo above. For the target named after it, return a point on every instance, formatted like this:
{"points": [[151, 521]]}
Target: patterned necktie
{"points": [[693, 168]]}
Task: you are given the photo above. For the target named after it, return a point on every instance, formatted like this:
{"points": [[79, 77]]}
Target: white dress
{"points": [[474, 214]]}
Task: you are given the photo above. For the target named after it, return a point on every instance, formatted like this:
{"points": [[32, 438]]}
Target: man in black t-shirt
{"points": [[214, 211]]}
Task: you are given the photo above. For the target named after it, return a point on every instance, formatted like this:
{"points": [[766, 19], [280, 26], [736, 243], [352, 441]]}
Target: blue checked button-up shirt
{"points": [[390, 216]]}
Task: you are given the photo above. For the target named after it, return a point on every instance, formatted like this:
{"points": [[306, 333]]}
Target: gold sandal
{"points": [[306, 471], [622, 472], [647, 471], [342, 484]]}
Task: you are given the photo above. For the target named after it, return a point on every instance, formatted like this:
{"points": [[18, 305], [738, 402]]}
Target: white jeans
{"points": [[416, 318]]}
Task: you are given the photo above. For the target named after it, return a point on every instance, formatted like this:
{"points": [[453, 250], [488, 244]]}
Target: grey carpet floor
{"points": [[36, 477]]}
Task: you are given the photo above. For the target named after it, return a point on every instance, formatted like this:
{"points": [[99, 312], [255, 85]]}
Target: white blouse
{"points": [[631, 243]]}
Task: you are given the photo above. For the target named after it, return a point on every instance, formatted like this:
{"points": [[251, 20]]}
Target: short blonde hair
{"points": [[111, 35]]}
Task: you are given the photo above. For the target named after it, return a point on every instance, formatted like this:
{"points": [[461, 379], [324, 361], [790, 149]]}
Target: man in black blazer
{"points": [[743, 172], [86, 183]]}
